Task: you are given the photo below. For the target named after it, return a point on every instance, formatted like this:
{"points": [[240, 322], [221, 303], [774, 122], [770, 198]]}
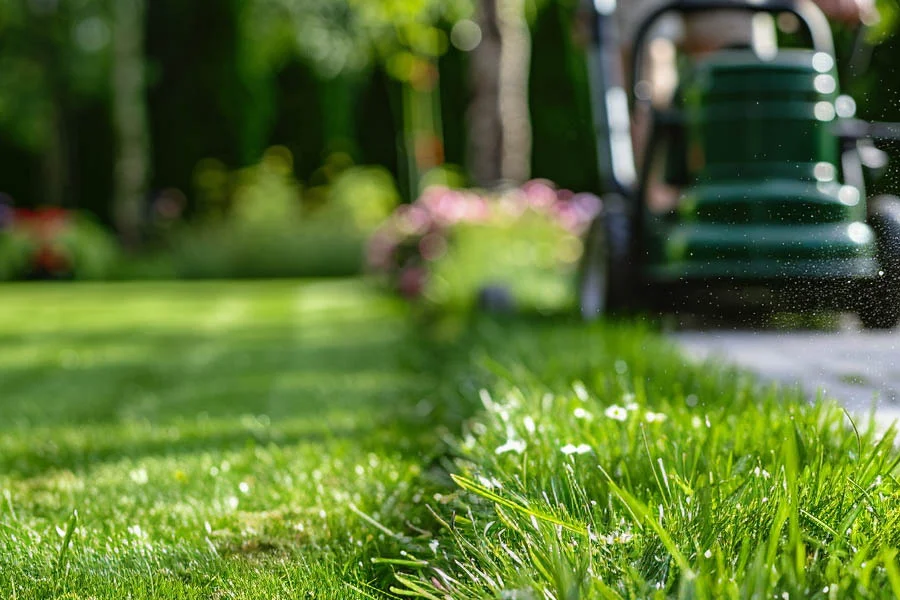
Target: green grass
{"points": [[603, 466], [206, 440], [296, 440]]}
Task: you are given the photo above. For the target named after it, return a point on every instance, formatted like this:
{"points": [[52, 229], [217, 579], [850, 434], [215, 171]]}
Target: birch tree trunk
{"points": [[132, 165]]}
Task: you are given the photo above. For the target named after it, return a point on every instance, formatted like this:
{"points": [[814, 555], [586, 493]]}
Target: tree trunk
{"points": [[485, 154], [499, 119], [132, 169], [56, 161], [515, 65]]}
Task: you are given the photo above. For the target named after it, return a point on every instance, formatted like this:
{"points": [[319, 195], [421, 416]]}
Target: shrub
{"points": [[55, 243], [260, 222], [449, 244]]}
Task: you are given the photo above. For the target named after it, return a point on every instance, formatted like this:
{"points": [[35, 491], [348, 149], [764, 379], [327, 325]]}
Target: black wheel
{"points": [[880, 306], [604, 284]]}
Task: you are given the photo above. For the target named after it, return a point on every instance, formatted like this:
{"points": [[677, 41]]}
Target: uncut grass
{"points": [[643, 476], [212, 440]]}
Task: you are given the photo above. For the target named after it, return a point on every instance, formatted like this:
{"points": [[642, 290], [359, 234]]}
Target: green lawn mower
{"points": [[769, 168]]}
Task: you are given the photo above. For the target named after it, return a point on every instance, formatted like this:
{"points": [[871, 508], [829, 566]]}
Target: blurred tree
{"points": [[210, 87], [343, 39], [54, 59], [500, 135], [132, 167]]}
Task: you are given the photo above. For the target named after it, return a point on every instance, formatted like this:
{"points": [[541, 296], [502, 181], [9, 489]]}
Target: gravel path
{"points": [[858, 368]]}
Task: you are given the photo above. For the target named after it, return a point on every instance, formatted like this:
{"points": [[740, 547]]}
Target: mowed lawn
{"points": [[311, 440], [215, 440]]}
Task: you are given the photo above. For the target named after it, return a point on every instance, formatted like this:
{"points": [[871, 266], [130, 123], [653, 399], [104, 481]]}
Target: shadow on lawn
{"points": [[135, 393]]}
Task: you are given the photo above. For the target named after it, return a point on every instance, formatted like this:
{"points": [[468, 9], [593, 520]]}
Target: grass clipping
{"points": [[602, 466]]}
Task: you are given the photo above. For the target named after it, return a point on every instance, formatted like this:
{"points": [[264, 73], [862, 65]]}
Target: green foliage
{"points": [[90, 249], [451, 244], [531, 257], [260, 222], [51, 53], [230, 250], [16, 253], [362, 197], [75, 245], [341, 37]]}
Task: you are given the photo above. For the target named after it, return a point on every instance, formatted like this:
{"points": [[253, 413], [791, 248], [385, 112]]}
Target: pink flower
{"points": [[414, 220], [540, 193], [433, 246], [412, 282], [381, 249]]}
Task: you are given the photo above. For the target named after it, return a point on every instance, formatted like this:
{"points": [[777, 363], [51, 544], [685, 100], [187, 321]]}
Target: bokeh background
{"points": [[264, 138]]}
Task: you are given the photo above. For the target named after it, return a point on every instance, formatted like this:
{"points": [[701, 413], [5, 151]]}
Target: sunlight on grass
{"points": [[292, 440], [180, 440], [604, 466]]}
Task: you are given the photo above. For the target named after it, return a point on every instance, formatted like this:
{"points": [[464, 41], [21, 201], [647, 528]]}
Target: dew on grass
{"points": [[512, 445], [692, 401], [529, 424], [580, 391], [761, 473], [570, 449], [486, 400], [139, 476]]}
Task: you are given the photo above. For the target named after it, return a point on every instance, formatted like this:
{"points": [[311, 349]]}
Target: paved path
{"points": [[856, 367]]}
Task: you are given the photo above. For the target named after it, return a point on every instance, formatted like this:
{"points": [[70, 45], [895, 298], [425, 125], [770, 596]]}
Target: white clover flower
{"points": [[580, 391], [139, 476], [616, 413], [580, 413], [708, 554], [569, 449], [618, 537], [653, 417], [517, 446]]}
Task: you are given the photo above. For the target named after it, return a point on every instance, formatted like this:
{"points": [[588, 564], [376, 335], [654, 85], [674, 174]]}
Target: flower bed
{"points": [[448, 244]]}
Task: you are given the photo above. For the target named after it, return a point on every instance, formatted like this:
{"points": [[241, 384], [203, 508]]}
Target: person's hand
{"points": [[850, 11]]}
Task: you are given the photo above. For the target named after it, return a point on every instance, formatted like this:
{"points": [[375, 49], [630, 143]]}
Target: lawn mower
{"points": [[770, 168]]}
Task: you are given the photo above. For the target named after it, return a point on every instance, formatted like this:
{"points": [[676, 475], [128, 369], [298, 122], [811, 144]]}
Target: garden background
{"points": [[268, 137]]}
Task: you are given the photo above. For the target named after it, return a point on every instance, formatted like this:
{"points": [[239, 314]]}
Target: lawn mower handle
{"points": [[808, 13], [857, 129]]}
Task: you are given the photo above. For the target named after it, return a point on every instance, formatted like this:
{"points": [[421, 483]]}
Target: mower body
{"points": [[763, 196], [770, 208]]}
